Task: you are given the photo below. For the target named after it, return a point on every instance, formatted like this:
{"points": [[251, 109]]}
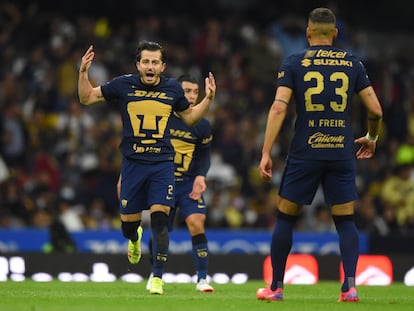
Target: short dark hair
{"points": [[149, 46], [187, 78], [322, 16]]}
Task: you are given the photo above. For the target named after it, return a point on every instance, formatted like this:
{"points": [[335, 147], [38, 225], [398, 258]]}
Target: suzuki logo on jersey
{"points": [[326, 62], [183, 134], [332, 62], [306, 62], [150, 94]]}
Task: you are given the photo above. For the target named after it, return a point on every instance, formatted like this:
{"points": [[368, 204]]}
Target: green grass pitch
{"points": [[119, 296]]}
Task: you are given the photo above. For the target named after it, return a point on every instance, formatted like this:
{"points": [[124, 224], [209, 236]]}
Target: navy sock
{"points": [[200, 255], [280, 247], [129, 229], [160, 242], [349, 247]]}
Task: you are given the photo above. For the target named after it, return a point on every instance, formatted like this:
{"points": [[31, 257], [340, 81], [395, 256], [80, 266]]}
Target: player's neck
{"points": [[317, 42]]}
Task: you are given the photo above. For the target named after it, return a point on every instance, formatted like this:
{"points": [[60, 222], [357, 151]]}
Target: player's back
{"points": [[324, 80]]}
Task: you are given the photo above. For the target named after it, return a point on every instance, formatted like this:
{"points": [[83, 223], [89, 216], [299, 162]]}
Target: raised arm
{"points": [[87, 93], [194, 113]]}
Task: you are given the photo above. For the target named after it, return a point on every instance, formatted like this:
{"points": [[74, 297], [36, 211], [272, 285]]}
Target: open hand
{"points": [[87, 59]]}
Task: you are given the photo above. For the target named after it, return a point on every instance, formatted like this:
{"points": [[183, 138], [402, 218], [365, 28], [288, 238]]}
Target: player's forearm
{"points": [[87, 93], [274, 123], [374, 125], [374, 109], [203, 164], [269, 139], [198, 111], [85, 88]]}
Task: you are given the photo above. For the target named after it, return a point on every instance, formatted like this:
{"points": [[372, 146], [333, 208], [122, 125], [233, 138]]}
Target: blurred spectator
{"points": [[322, 219], [288, 31], [69, 212], [60, 239], [398, 195], [13, 136], [368, 219]]}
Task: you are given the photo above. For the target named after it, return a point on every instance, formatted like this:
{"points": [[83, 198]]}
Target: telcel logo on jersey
{"points": [[325, 58], [330, 53]]}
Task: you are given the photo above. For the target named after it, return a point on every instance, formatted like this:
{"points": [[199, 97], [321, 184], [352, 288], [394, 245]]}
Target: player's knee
{"points": [[195, 227], [343, 209], [195, 224], [129, 229]]}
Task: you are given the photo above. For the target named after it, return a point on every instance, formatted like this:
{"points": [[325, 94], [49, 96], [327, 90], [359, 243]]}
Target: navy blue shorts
{"points": [[187, 205], [301, 179], [146, 184]]}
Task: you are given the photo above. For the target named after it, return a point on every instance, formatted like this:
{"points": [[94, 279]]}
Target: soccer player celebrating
{"points": [[192, 161], [322, 79], [146, 102]]}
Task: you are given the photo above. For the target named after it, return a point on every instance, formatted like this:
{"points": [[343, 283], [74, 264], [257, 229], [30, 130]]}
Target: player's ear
{"points": [[335, 33], [164, 65], [308, 33]]}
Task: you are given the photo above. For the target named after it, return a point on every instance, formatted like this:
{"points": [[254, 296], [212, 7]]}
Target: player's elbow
{"points": [[84, 97], [88, 99], [83, 100], [278, 110], [189, 117]]}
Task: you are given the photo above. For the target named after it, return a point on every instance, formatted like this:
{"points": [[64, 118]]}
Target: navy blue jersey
{"points": [[145, 112], [324, 80], [192, 147]]}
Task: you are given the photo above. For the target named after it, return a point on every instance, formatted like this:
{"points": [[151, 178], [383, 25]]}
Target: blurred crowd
{"points": [[60, 160]]}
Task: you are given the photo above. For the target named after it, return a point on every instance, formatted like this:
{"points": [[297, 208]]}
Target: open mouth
{"points": [[149, 76]]}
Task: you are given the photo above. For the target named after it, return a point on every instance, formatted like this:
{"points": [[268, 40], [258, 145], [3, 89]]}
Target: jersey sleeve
{"points": [[110, 90], [181, 103], [284, 75], [362, 81], [203, 160]]}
